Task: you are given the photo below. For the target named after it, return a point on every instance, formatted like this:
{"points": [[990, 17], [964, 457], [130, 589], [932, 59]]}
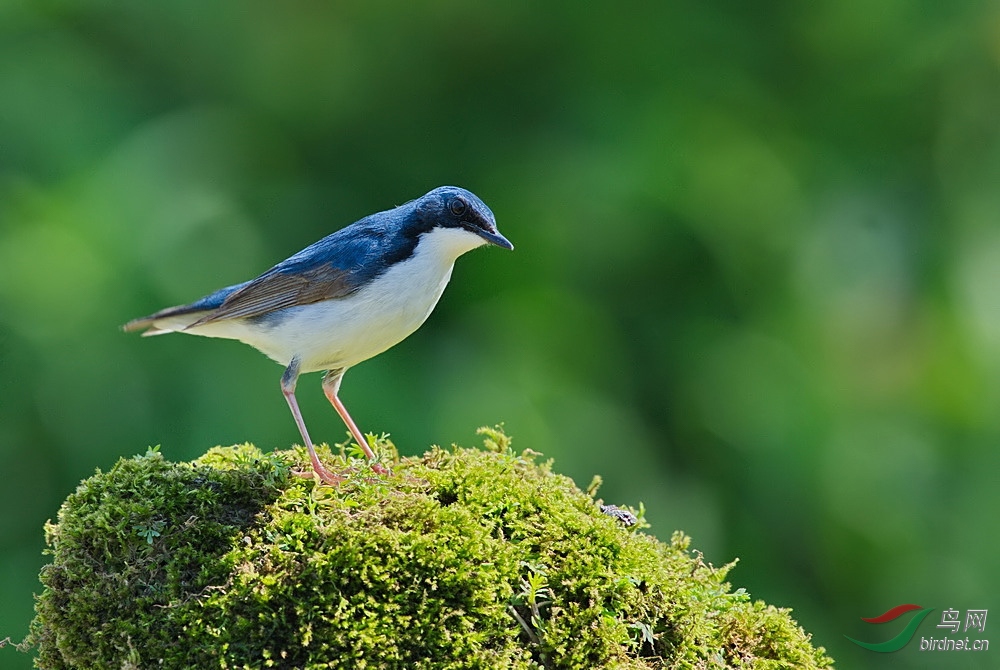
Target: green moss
{"points": [[459, 559]]}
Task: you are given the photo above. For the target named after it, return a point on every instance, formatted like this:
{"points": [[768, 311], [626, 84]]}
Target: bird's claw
{"points": [[324, 475], [334, 479]]}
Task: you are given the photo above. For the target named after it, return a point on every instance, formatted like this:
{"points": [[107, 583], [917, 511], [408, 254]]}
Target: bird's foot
{"points": [[332, 478], [327, 477], [335, 479]]}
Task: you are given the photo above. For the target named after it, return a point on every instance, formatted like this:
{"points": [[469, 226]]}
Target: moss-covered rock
{"points": [[459, 559]]}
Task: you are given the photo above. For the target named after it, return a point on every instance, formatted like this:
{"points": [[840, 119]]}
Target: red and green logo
{"points": [[904, 636]]}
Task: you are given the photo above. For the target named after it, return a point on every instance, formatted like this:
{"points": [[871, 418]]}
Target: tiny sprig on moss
{"points": [[495, 439], [150, 530], [533, 596], [459, 558]]}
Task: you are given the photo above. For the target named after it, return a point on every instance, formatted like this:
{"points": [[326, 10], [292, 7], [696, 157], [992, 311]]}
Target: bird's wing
{"points": [[279, 288], [334, 267]]}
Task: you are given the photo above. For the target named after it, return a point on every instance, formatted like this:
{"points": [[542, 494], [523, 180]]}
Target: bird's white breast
{"points": [[341, 332]]}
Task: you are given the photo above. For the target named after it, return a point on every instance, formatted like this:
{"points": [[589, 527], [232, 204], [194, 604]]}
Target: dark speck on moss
{"points": [[459, 559]]}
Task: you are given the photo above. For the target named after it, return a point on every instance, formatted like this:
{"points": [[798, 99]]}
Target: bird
{"points": [[344, 299]]}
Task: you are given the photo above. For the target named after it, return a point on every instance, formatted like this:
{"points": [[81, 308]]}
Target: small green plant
{"points": [[534, 595], [150, 530]]}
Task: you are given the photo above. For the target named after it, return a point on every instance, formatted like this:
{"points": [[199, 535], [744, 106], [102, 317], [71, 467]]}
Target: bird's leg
{"points": [[288, 389], [331, 385]]}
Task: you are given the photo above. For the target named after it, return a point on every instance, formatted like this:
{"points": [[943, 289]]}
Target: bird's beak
{"points": [[494, 237]]}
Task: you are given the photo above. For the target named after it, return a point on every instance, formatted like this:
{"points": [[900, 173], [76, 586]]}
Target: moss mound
{"points": [[459, 559]]}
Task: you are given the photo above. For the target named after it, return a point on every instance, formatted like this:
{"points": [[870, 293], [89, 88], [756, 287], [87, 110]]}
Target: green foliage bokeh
{"points": [[754, 285]]}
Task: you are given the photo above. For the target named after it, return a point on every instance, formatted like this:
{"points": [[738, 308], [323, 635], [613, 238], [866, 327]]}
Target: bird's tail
{"points": [[169, 320], [182, 317]]}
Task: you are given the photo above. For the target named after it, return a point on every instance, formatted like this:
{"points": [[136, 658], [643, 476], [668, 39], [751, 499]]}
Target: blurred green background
{"points": [[756, 282]]}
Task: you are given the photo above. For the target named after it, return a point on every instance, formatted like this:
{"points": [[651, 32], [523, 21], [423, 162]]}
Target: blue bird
{"points": [[344, 299]]}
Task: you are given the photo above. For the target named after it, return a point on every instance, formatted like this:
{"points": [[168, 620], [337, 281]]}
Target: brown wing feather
{"points": [[278, 290]]}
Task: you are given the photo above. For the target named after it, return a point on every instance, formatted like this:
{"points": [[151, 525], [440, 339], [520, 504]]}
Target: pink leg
{"points": [[331, 385], [288, 389]]}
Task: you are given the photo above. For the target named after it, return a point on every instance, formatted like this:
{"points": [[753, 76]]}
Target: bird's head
{"points": [[455, 208]]}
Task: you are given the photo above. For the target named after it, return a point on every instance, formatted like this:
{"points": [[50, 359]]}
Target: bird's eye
{"points": [[457, 206]]}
